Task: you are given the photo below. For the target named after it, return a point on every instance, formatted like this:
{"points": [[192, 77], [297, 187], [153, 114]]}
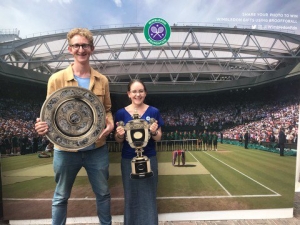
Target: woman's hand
{"points": [[153, 128], [120, 132]]}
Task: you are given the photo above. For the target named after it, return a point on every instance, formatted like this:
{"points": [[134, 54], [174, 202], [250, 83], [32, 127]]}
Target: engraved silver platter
{"points": [[75, 116]]}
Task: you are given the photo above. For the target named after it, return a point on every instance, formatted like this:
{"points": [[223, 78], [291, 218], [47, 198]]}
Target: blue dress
{"points": [[140, 194]]}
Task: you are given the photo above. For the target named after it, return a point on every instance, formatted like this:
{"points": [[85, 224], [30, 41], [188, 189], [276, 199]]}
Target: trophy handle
{"points": [[152, 120], [120, 123]]}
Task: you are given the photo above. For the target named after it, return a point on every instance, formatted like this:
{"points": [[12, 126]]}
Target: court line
{"points": [[212, 176], [244, 175], [173, 197]]}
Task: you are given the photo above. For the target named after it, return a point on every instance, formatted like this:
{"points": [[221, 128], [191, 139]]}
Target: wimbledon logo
{"points": [[157, 31]]}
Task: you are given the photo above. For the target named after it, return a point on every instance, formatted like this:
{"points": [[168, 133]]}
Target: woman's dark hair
{"points": [[136, 80]]}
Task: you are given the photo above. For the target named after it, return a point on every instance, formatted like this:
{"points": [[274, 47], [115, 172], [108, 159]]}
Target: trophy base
{"points": [[141, 168], [141, 175]]}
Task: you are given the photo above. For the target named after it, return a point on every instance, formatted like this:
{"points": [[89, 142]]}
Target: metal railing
{"points": [[111, 26], [163, 145], [10, 31]]}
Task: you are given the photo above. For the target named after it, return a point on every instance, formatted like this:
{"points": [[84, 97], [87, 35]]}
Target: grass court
{"points": [[232, 178]]}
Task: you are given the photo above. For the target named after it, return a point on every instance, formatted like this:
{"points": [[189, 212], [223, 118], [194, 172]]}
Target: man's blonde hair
{"points": [[82, 32]]}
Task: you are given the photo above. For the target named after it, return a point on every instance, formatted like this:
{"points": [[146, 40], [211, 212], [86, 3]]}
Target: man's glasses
{"points": [[135, 92], [84, 46]]}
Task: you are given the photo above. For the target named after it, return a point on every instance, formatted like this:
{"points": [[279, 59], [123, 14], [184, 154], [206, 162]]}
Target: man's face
{"points": [[80, 48]]}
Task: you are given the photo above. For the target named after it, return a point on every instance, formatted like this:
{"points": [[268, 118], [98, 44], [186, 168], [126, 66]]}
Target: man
{"points": [[15, 144], [24, 144], [93, 158], [200, 141], [246, 139], [215, 141], [169, 141], [204, 140], [194, 137], [209, 141], [272, 140], [281, 141], [221, 137], [50, 148]]}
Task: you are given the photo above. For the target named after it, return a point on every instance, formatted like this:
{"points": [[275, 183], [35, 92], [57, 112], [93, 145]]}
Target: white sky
{"points": [[40, 16]]}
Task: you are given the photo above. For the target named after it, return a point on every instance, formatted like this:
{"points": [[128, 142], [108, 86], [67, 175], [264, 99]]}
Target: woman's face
{"points": [[137, 93]]}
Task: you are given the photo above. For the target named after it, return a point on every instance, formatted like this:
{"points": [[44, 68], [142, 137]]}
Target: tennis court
{"points": [[231, 178]]}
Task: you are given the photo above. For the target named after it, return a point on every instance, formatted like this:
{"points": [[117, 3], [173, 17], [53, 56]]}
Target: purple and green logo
{"points": [[157, 31]]}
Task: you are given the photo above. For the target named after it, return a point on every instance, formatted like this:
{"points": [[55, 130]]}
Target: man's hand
{"points": [[108, 129], [41, 127]]}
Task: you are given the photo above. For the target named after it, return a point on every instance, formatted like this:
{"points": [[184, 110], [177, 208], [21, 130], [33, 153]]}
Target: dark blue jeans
{"points": [[66, 166]]}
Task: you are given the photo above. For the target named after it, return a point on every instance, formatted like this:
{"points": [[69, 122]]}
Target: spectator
{"points": [[281, 141], [246, 139]]}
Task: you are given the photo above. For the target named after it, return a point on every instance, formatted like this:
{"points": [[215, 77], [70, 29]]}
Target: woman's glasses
{"points": [[135, 92]]}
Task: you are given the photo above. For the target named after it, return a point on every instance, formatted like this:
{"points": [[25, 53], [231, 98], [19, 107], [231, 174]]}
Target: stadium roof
{"points": [[195, 59]]}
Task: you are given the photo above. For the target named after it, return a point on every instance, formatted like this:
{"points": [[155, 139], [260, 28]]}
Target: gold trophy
{"points": [[138, 134]]}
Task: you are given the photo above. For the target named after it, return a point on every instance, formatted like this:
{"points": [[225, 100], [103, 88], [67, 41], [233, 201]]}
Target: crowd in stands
{"points": [[260, 119], [263, 120], [261, 113], [19, 107], [17, 119], [180, 117]]}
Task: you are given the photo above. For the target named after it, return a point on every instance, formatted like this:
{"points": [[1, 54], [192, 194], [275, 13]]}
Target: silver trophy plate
{"points": [[75, 116]]}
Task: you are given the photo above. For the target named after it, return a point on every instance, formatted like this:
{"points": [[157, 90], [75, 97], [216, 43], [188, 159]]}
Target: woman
{"points": [[140, 194]]}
